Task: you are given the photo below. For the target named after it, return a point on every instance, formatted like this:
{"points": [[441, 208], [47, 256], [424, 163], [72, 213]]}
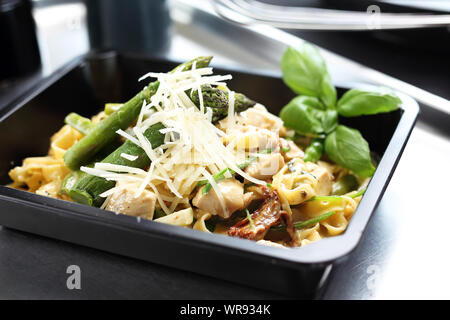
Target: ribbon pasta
{"points": [[44, 175]]}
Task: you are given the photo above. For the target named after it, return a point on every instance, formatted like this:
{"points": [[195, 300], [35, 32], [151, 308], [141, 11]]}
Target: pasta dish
{"points": [[189, 151]]}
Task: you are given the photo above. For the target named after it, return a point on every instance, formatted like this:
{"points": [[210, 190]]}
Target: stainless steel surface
{"points": [[248, 12], [404, 253]]}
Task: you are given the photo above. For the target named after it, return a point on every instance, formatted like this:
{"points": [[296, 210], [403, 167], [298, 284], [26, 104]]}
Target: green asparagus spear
{"points": [[217, 99], [241, 102], [71, 179], [82, 124], [83, 151], [87, 188], [110, 108], [212, 97]]}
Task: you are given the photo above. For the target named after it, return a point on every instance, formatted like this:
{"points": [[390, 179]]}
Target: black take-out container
{"points": [[83, 86]]}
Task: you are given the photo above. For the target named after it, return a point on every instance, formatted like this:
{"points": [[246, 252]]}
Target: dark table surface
{"points": [[33, 267]]}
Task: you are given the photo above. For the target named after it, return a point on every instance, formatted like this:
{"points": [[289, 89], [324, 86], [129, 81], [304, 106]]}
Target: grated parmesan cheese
{"points": [[194, 148], [128, 156]]}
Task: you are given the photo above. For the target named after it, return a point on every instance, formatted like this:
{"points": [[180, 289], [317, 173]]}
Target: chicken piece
{"points": [[324, 180], [256, 193], [262, 218], [232, 192], [266, 166], [255, 130], [258, 116], [293, 151], [248, 198], [124, 201]]}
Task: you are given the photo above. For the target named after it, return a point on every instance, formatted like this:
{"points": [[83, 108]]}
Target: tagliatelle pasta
{"points": [[337, 223], [200, 223], [63, 140], [44, 175], [308, 235]]}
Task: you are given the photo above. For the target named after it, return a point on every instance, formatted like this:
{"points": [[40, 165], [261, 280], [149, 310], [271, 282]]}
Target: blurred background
{"points": [[40, 36], [66, 29]]}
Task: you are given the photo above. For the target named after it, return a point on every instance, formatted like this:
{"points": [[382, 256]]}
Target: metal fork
{"points": [[255, 12]]}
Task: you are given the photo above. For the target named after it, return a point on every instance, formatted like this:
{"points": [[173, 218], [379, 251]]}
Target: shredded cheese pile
{"points": [[194, 148]]}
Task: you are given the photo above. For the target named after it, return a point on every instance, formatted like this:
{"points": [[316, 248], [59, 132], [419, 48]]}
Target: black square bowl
{"points": [[83, 86]]}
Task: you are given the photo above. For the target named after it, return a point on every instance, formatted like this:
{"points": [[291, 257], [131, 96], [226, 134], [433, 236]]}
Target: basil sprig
{"points": [[347, 147], [358, 102], [316, 111], [305, 72], [304, 114]]}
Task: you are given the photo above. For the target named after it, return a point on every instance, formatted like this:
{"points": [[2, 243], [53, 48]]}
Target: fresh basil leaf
{"points": [[305, 72], [302, 115], [328, 95], [329, 121], [346, 147], [357, 102], [313, 103], [308, 115]]}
